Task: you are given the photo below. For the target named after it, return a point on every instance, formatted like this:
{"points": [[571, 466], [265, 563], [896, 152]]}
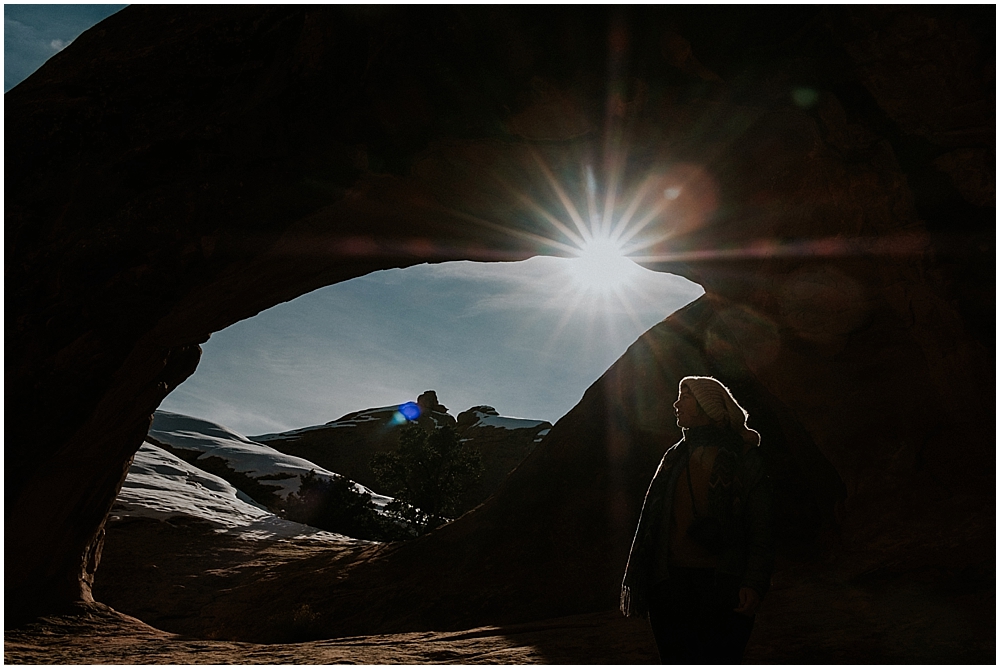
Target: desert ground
{"points": [[186, 579], [195, 589]]}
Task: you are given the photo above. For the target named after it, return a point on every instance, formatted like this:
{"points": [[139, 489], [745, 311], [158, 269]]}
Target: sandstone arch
{"points": [[179, 169]]}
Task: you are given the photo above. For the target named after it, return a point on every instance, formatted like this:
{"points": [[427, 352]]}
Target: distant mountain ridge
{"points": [[346, 445]]}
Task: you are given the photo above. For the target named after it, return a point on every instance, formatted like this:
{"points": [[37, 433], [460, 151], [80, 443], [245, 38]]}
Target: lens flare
{"points": [[410, 410]]}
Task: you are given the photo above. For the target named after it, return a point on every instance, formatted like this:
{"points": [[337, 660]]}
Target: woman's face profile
{"points": [[689, 413]]}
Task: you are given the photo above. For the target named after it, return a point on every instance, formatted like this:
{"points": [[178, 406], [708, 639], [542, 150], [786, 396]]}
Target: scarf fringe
{"points": [[632, 603]]}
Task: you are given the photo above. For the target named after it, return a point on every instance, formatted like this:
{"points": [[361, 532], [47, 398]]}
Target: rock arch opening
{"points": [[482, 334]]}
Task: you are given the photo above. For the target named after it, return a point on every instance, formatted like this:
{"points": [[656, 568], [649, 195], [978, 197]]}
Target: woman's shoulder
{"points": [[672, 454], [674, 450], [668, 460]]}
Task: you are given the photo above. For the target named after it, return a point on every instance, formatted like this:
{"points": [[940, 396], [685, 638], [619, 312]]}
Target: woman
{"points": [[702, 555]]}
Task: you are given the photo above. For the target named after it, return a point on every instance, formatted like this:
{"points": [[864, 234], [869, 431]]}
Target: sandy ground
{"points": [[101, 635], [186, 581]]}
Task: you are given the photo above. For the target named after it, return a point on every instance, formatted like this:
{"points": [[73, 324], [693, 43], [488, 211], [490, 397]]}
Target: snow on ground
{"points": [[486, 420], [160, 485], [366, 416], [241, 454]]}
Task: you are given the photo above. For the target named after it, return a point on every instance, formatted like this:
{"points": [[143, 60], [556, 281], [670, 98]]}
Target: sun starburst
{"points": [[602, 266]]}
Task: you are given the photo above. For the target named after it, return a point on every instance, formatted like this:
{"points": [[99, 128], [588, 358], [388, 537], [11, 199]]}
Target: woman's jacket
{"points": [[739, 497]]}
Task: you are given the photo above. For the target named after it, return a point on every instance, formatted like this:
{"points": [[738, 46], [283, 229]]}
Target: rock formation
{"points": [[503, 444], [428, 402], [826, 174]]}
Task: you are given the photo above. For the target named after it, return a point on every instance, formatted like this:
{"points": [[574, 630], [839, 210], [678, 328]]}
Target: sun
{"points": [[602, 266]]}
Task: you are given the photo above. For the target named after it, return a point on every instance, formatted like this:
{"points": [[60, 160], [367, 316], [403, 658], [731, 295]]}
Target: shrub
{"points": [[334, 505], [427, 475]]}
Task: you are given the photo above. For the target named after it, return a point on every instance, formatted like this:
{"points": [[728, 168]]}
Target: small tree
{"points": [[334, 505], [427, 475]]}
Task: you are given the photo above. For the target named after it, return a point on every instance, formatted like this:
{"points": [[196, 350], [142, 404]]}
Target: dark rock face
{"points": [[343, 445], [829, 178], [503, 444]]}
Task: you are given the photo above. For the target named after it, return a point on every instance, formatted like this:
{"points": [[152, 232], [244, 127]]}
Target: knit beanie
{"points": [[720, 405]]}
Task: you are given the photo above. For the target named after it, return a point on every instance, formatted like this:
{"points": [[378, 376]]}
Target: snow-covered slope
{"points": [[261, 463], [492, 420], [161, 485]]}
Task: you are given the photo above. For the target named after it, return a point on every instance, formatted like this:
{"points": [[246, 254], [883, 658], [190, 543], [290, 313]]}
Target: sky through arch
{"points": [[501, 334]]}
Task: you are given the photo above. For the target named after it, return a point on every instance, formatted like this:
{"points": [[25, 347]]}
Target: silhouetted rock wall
{"points": [[825, 174]]}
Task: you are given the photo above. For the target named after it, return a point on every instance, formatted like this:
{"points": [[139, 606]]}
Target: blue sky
{"points": [[527, 338]]}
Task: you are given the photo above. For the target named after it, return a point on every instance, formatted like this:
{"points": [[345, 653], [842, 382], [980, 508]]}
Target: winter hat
{"points": [[720, 405]]}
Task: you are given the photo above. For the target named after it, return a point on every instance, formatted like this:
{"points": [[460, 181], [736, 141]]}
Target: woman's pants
{"points": [[693, 621]]}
